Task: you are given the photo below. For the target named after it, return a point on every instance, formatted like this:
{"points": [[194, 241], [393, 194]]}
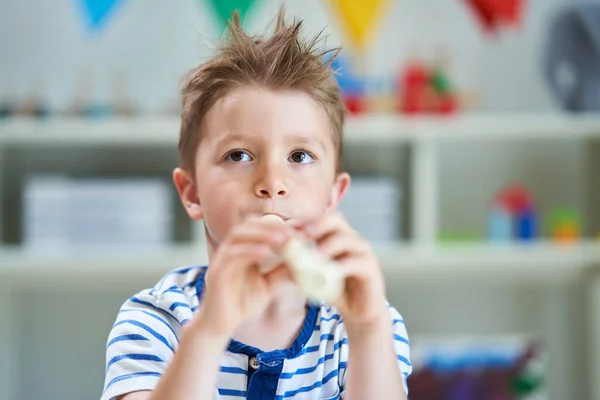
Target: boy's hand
{"points": [[235, 288], [363, 301]]}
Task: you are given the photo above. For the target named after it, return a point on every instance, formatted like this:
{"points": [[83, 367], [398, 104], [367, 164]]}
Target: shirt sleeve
{"points": [[401, 347], [140, 345]]}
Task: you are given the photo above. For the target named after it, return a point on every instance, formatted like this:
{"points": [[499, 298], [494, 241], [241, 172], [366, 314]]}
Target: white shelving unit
{"points": [[420, 261], [423, 135], [511, 263]]}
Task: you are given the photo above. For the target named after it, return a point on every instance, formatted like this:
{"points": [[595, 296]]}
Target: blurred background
{"points": [[473, 139]]}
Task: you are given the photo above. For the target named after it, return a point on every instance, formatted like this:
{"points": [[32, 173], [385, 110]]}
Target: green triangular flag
{"points": [[225, 8]]}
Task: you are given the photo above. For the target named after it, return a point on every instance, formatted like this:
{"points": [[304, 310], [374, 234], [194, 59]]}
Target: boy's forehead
{"points": [[251, 112]]}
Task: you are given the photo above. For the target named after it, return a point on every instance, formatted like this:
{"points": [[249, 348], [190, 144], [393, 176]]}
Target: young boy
{"points": [[261, 134]]}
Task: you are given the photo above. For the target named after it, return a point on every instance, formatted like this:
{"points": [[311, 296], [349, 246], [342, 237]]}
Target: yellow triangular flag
{"points": [[359, 18]]}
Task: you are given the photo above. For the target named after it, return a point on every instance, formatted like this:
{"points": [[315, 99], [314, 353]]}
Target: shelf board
{"points": [[376, 128], [486, 127], [534, 262], [146, 131], [482, 262]]}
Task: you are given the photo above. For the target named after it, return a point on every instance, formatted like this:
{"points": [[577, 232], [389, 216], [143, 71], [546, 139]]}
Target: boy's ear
{"points": [[340, 186], [188, 194]]}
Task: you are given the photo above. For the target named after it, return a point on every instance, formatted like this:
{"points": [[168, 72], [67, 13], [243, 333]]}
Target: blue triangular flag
{"points": [[96, 12]]}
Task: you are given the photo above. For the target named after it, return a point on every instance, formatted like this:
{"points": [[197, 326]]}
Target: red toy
{"points": [[355, 104], [425, 89], [413, 83], [515, 198], [518, 202]]}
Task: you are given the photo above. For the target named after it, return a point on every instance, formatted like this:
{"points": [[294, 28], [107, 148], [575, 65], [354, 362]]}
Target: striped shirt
{"points": [[148, 326]]}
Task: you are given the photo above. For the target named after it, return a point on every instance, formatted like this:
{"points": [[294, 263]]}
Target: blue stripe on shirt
{"points": [[315, 385], [334, 316], [234, 370], [165, 323], [301, 371], [129, 376], [147, 329], [174, 289], [404, 360], [400, 339], [164, 291], [133, 336], [312, 349], [139, 357], [180, 271], [233, 393], [145, 303], [179, 304]]}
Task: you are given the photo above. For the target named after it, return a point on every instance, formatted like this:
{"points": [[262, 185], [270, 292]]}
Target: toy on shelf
{"points": [[500, 224], [513, 215], [413, 87], [85, 105], [565, 225], [7, 104], [81, 105], [33, 106], [478, 368], [426, 87], [420, 87], [5, 109], [352, 87], [121, 100]]}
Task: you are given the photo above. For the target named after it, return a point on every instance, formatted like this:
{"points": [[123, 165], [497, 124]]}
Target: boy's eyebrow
{"points": [[231, 137], [308, 140], [296, 138]]}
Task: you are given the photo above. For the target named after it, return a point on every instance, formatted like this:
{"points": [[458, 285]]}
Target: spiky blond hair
{"points": [[282, 61]]}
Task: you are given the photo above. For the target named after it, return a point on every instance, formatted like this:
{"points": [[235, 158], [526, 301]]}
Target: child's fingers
{"points": [[259, 231], [331, 223], [234, 259], [278, 275], [339, 244]]}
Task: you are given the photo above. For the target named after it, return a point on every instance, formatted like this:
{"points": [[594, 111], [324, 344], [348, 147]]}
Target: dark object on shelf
{"points": [[478, 370], [571, 61], [6, 110], [32, 108], [527, 225], [97, 111]]}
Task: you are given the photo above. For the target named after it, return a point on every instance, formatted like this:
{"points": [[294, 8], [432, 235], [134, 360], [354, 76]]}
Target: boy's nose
{"points": [[271, 189], [271, 184]]}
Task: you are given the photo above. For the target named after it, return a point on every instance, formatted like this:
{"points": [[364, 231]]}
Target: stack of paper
{"points": [[63, 212], [373, 207]]}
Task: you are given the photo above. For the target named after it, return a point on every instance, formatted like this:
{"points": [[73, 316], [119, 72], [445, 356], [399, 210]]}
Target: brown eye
{"points": [[301, 157], [238, 156]]}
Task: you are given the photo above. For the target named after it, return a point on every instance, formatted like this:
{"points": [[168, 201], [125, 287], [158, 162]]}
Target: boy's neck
{"points": [[287, 300], [279, 325]]}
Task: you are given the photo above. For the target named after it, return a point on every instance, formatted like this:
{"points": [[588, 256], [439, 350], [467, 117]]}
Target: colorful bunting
{"points": [[493, 13], [97, 12], [225, 8], [359, 19]]}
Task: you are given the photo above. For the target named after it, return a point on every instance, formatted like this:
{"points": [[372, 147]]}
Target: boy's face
{"points": [[262, 152]]}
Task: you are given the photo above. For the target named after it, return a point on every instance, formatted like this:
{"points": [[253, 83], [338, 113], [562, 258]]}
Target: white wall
{"points": [[153, 42]]}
